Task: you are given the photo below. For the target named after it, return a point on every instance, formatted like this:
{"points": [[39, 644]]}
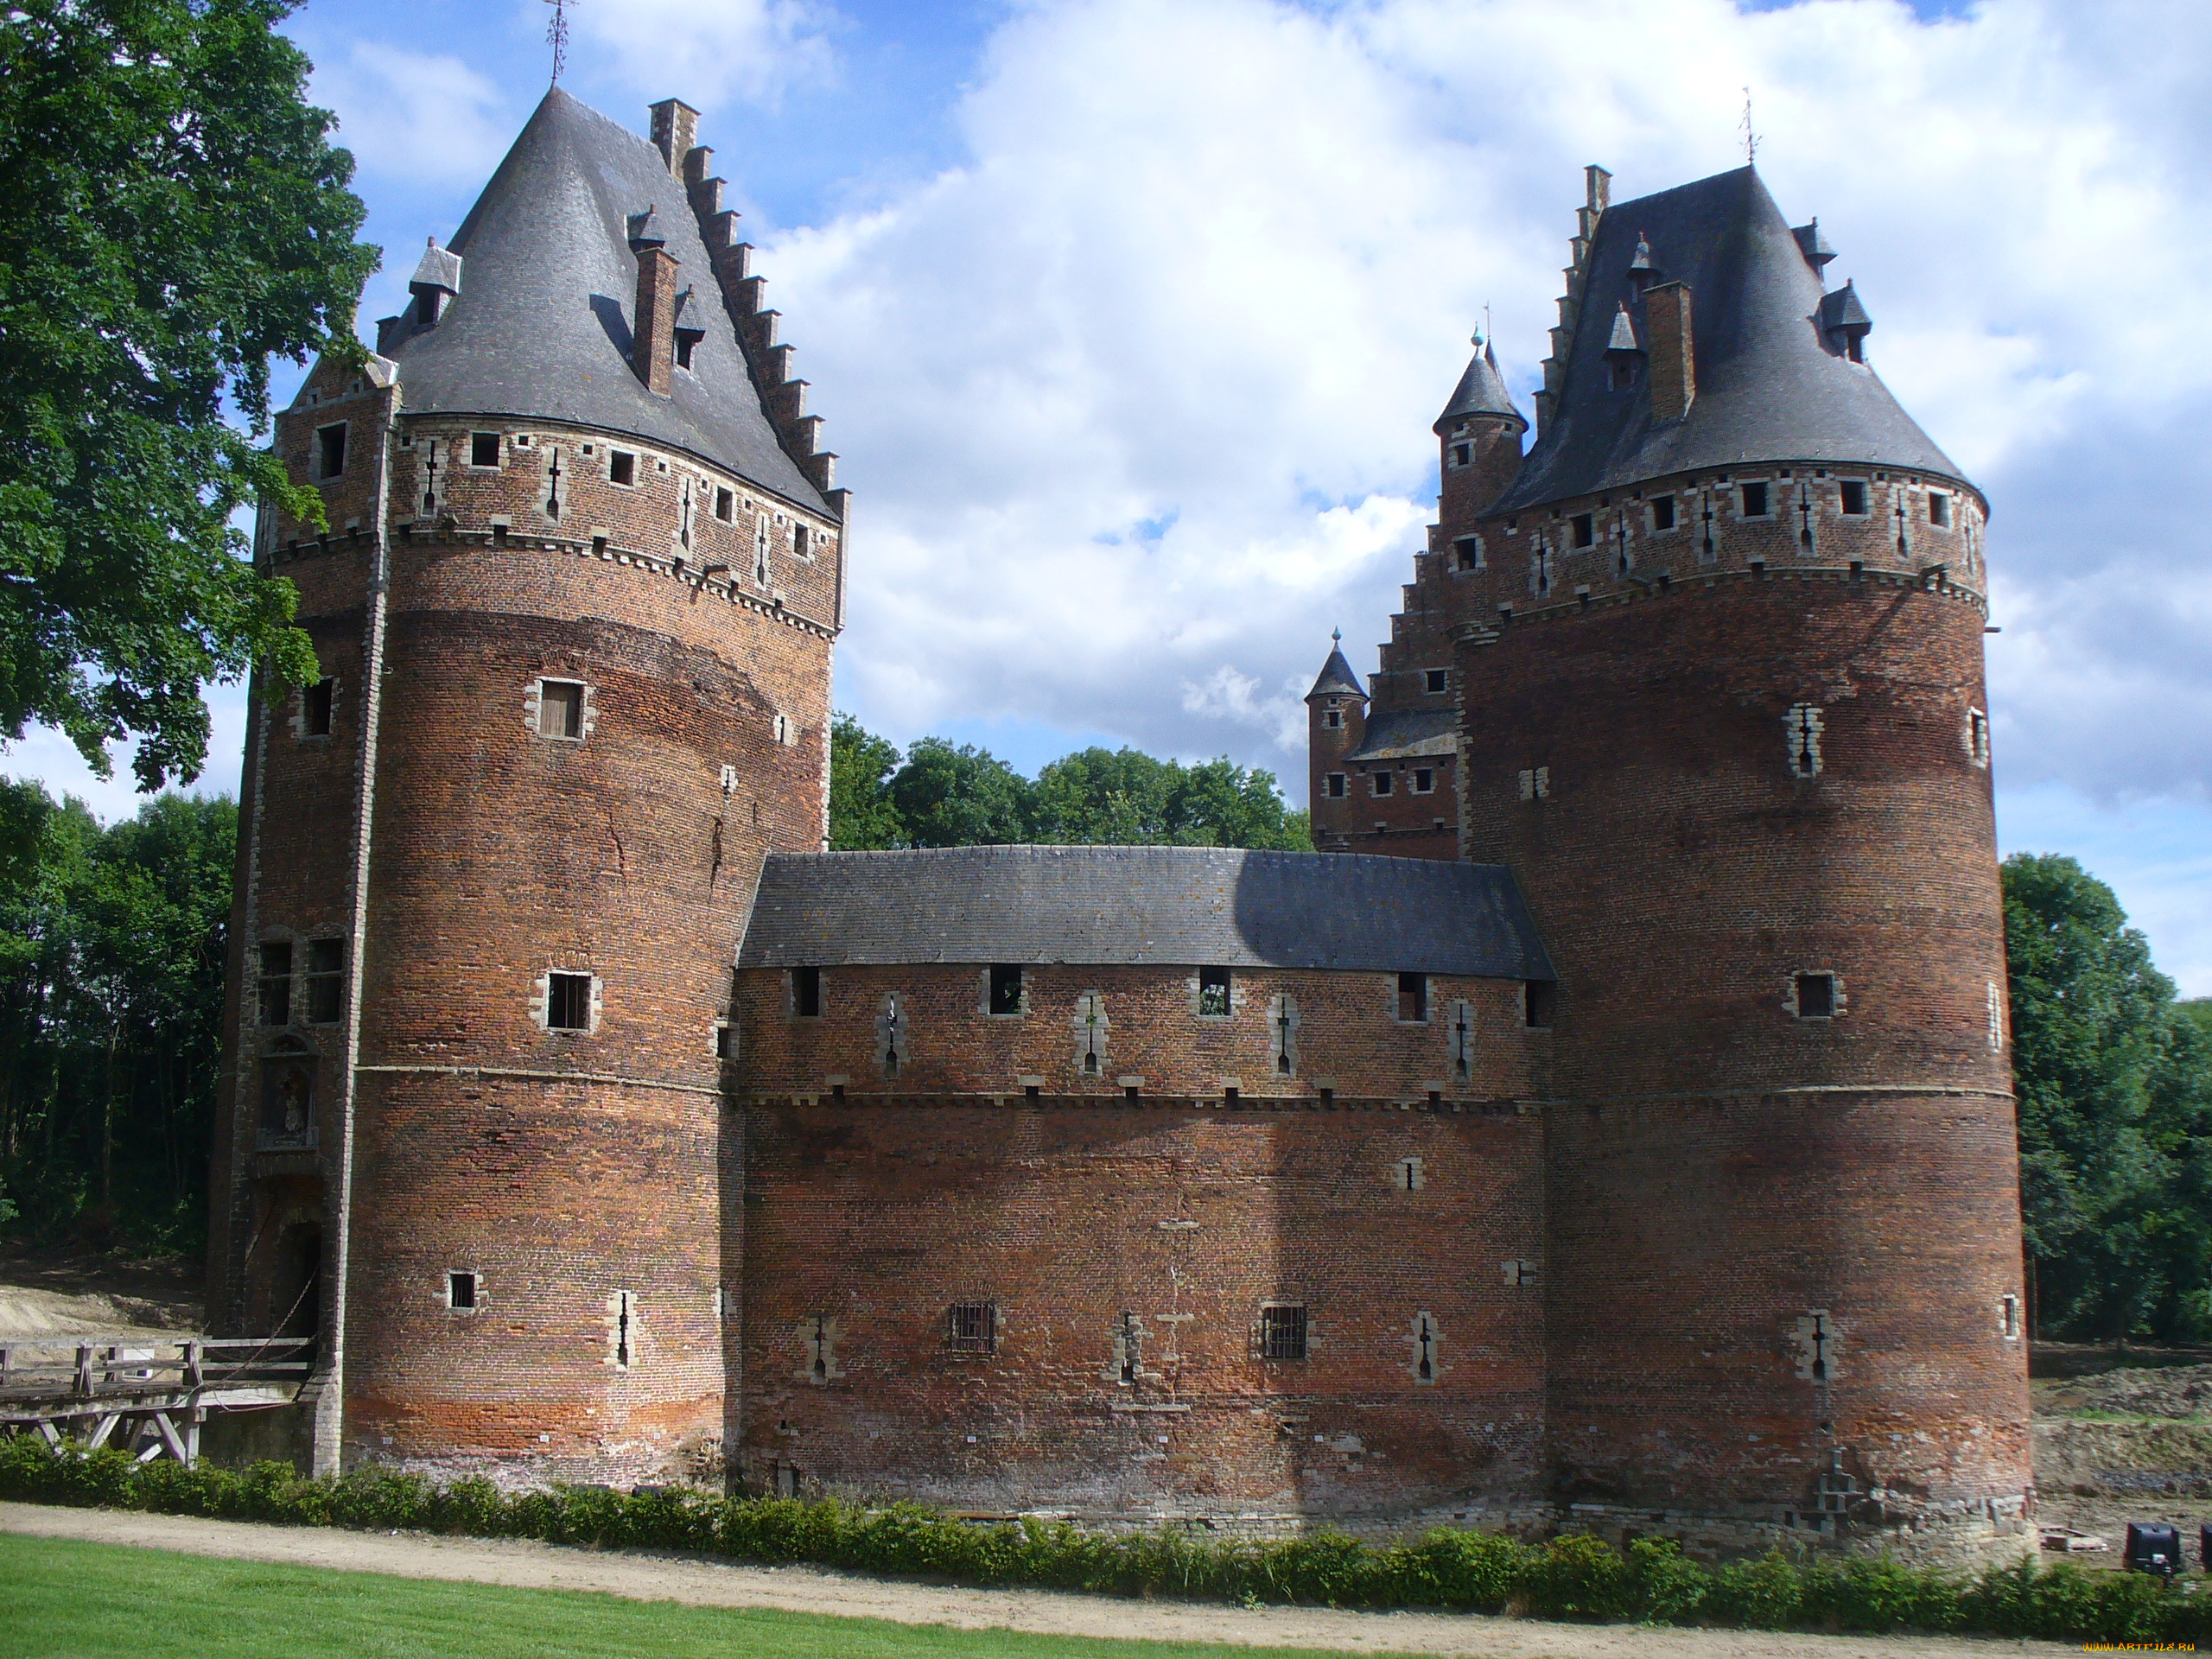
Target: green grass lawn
{"points": [[64, 1600]]}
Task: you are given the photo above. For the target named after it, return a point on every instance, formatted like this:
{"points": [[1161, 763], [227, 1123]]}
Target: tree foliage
{"points": [[113, 946], [2114, 1081], [175, 218], [942, 794]]}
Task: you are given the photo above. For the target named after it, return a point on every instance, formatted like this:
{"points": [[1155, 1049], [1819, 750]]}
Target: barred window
{"points": [[972, 1327], [325, 980], [1282, 1331]]}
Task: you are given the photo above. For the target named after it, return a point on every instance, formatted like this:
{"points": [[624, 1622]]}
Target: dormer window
{"points": [[687, 341]]}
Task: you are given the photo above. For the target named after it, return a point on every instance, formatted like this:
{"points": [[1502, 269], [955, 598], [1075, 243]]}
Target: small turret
{"points": [[1845, 321], [1480, 432], [436, 280], [1336, 723]]}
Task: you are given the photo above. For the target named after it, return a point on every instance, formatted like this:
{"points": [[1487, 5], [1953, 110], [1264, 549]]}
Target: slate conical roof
{"points": [[541, 328], [1337, 677], [1481, 390], [1770, 386]]}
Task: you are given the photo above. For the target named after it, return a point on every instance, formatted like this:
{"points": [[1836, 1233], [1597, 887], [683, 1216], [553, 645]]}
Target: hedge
{"points": [[1571, 1577]]}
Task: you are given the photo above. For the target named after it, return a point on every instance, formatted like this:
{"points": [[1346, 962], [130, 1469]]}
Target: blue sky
{"points": [[1129, 318]]}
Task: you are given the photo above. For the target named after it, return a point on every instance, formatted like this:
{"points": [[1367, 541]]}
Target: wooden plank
{"points": [[101, 1430], [84, 1369], [48, 1430], [169, 1437]]}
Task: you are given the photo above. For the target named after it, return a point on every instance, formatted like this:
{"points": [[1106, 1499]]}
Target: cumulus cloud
{"points": [[420, 116], [753, 50], [1135, 399]]}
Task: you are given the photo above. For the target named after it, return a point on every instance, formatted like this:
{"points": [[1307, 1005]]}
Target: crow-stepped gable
{"points": [[1609, 1124]]}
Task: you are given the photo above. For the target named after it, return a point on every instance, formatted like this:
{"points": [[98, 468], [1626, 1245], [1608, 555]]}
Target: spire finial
{"points": [[1750, 138], [1335, 636], [556, 36]]}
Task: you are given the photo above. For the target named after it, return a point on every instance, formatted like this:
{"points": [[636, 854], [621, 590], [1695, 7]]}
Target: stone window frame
{"points": [[976, 1310], [320, 452], [1460, 453], [1382, 782], [1461, 563], [475, 1304], [541, 1003], [723, 1039], [1866, 496], [614, 455], [1429, 687], [1582, 531], [2010, 1326], [300, 732], [791, 991], [533, 706], [725, 505], [1416, 787], [1425, 991], [1839, 1002], [307, 978], [1197, 986], [1335, 786], [1976, 738], [1021, 990], [1518, 1275], [1651, 524], [1805, 724], [1264, 1339], [1740, 511], [292, 940], [499, 445], [1332, 718], [1947, 519]]}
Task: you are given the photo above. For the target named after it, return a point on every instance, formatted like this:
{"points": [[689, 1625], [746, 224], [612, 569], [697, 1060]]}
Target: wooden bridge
{"points": [[147, 1395]]}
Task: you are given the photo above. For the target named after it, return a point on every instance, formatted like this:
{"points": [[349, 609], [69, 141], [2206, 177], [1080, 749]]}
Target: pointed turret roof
{"points": [[542, 329], [1481, 390], [1337, 678], [1771, 386]]}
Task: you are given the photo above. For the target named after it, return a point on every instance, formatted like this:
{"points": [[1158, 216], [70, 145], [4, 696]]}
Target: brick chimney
{"points": [[675, 130], [652, 326], [1673, 357]]}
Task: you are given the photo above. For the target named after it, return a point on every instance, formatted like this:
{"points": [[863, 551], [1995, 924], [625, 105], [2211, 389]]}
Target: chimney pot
{"points": [[675, 128], [652, 330]]}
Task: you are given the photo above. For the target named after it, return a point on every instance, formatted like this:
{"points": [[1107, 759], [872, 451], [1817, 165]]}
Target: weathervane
{"points": [[556, 36], [1750, 138]]}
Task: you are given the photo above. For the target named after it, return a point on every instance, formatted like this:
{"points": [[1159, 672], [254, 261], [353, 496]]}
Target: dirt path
{"points": [[647, 1576]]}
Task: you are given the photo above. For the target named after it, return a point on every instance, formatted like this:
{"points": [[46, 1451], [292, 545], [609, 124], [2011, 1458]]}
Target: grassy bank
{"points": [[1571, 1577]]}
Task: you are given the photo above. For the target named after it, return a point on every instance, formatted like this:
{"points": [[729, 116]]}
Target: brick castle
{"points": [[1611, 1124]]}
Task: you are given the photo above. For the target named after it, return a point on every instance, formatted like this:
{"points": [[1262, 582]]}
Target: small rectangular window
{"points": [[326, 980], [1005, 987], [806, 993], [1978, 737], [2008, 1319], [1333, 720], [1461, 453], [1382, 782], [725, 505], [1755, 500], [1283, 1332], [1424, 780], [972, 1327], [1335, 782], [1816, 996], [568, 1001], [561, 709], [276, 983], [622, 467], [460, 1290], [1538, 998], [725, 1041], [1854, 496], [315, 707], [802, 542], [330, 450], [1438, 679], [1213, 993], [1939, 509], [1662, 512], [1584, 529], [483, 448], [1468, 550], [1413, 997], [686, 340]]}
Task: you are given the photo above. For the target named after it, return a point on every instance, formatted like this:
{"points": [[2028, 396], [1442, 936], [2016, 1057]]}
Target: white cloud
{"points": [[753, 50], [418, 115]]}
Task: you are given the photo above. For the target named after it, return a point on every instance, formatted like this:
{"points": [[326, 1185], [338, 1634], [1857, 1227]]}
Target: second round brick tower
{"points": [[1715, 649], [577, 610]]}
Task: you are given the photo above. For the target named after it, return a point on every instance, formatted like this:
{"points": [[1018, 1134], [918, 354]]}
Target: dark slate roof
{"points": [[1770, 386], [1481, 390], [1187, 906], [1404, 734], [541, 324], [1337, 677]]}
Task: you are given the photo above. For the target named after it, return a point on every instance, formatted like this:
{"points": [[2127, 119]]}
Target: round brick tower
{"points": [[576, 611], [1724, 717]]}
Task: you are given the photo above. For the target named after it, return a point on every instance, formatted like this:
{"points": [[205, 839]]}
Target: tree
{"points": [[949, 795], [2114, 1085], [862, 816], [1128, 799], [175, 218]]}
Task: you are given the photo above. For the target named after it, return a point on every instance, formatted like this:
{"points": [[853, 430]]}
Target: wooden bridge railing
{"points": [[98, 1368]]}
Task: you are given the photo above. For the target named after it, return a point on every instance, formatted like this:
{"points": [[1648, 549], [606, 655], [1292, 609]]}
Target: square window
{"points": [[330, 451], [1335, 785], [1213, 993], [561, 709], [1438, 679], [622, 468], [1855, 497], [315, 707], [461, 1291], [1333, 720], [1005, 987], [326, 980], [1662, 512], [1382, 782], [1539, 999], [725, 505], [1424, 780], [1283, 1332], [1584, 529], [1461, 453], [483, 448], [1816, 996], [806, 993], [1754, 505], [1468, 551], [1412, 998], [568, 1001], [1939, 509], [276, 983], [972, 1327]]}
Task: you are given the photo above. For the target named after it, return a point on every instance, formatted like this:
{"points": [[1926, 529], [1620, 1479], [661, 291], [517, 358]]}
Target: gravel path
{"points": [[647, 1576]]}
